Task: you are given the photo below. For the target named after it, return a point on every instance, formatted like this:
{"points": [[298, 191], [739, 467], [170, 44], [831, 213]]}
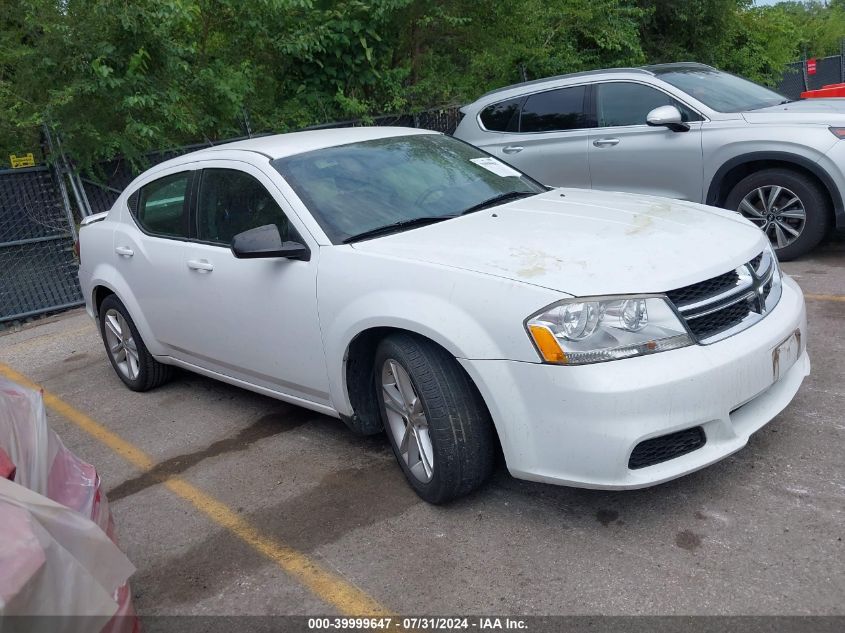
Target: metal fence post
{"points": [[842, 60], [804, 71], [61, 182]]}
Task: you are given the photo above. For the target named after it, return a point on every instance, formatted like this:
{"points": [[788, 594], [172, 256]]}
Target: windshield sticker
{"points": [[496, 166]]}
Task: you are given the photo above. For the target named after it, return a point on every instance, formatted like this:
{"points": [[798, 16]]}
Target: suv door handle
{"points": [[124, 251], [202, 265], [512, 149], [606, 142]]}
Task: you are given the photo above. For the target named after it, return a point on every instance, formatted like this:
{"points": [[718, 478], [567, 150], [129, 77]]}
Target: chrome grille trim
{"points": [[718, 316], [713, 307]]}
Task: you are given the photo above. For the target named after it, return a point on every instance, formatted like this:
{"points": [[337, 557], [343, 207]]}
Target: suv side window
{"points": [[624, 103], [161, 207], [502, 116], [555, 110], [232, 201]]}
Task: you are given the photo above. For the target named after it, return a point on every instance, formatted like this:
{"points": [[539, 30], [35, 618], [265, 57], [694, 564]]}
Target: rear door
{"points": [[250, 319], [626, 154], [545, 134], [149, 254]]}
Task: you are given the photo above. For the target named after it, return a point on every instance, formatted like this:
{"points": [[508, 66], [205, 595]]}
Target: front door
{"points": [[251, 319], [626, 154]]}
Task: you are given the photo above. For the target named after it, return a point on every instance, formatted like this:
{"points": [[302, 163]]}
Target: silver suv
{"points": [[684, 131]]}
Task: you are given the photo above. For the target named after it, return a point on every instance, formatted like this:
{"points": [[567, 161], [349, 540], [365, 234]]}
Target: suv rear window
{"points": [[555, 110], [502, 116]]}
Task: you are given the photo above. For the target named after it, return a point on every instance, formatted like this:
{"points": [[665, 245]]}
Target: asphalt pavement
{"points": [[758, 533]]}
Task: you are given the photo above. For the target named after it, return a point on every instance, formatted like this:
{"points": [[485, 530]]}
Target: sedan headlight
{"points": [[597, 329]]}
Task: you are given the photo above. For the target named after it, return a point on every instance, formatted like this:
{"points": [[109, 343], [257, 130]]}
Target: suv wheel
{"points": [[790, 208], [437, 422]]}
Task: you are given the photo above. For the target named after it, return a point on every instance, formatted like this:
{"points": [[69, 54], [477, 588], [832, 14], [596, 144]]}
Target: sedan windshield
{"points": [[720, 91], [371, 188]]}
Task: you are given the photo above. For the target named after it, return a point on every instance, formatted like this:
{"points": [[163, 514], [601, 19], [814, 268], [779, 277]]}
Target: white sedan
{"points": [[403, 280]]}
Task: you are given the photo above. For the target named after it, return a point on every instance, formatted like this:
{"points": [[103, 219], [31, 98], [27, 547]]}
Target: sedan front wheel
{"points": [[436, 420]]}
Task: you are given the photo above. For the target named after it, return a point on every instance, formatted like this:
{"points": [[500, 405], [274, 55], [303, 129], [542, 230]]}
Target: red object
{"points": [[830, 90], [7, 467], [811, 66]]}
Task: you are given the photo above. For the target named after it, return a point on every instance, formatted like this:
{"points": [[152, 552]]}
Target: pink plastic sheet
{"points": [[58, 551]]}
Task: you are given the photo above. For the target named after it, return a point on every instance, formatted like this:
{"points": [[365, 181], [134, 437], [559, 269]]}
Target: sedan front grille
{"points": [[720, 320], [666, 447], [705, 289], [731, 302]]}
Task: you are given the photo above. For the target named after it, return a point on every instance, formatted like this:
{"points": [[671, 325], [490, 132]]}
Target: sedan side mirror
{"points": [[265, 241], [667, 116]]}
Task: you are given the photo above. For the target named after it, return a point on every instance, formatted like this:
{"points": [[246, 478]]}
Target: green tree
{"points": [[119, 77]]}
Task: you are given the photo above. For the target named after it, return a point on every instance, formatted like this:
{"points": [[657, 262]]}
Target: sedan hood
{"points": [[585, 242]]}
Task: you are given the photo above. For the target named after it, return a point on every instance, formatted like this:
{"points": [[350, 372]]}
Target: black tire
{"points": [[459, 425], [816, 203], [151, 373]]}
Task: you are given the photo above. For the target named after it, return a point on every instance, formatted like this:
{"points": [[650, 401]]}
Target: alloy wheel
{"points": [[121, 344], [407, 421], [778, 212]]}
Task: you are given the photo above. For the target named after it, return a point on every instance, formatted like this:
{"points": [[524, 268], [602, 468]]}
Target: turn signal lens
{"points": [[547, 344], [838, 132]]}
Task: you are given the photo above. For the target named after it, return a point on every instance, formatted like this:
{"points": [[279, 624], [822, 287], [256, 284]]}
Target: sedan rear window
{"points": [[161, 209], [356, 188]]}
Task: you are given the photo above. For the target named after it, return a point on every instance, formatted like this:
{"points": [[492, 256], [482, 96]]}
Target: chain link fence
{"points": [[36, 245], [796, 79]]}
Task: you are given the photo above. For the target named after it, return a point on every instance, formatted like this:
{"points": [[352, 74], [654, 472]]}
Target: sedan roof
{"points": [[282, 145]]}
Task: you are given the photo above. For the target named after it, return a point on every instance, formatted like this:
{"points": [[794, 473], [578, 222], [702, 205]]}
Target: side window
{"points": [[232, 201], [502, 116], [161, 207], [624, 103], [555, 110]]}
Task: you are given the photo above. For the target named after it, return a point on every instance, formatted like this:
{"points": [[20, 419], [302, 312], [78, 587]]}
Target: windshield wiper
{"points": [[397, 226], [498, 199]]}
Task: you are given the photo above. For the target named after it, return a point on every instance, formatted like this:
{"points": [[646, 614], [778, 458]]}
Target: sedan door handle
{"points": [[124, 251], [200, 264], [606, 142], [512, 149]]}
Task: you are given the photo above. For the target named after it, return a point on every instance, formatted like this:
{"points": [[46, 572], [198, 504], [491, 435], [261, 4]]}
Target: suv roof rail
{"points": [[657, 69], [585, 73]]}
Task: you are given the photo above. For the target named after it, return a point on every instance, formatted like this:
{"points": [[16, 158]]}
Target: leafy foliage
{"points": [[117, 77]]}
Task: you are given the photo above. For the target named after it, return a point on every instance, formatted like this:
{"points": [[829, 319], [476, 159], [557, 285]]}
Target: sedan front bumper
{"points": [[578, 426]]}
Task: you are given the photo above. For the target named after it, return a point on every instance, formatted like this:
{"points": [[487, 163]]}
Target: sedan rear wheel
{"points": [[436, 420], [121, 345], [128, 354]]}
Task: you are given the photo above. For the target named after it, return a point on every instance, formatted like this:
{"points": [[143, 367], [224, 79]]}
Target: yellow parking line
{"points": [[839, 298], [343, 595]]}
